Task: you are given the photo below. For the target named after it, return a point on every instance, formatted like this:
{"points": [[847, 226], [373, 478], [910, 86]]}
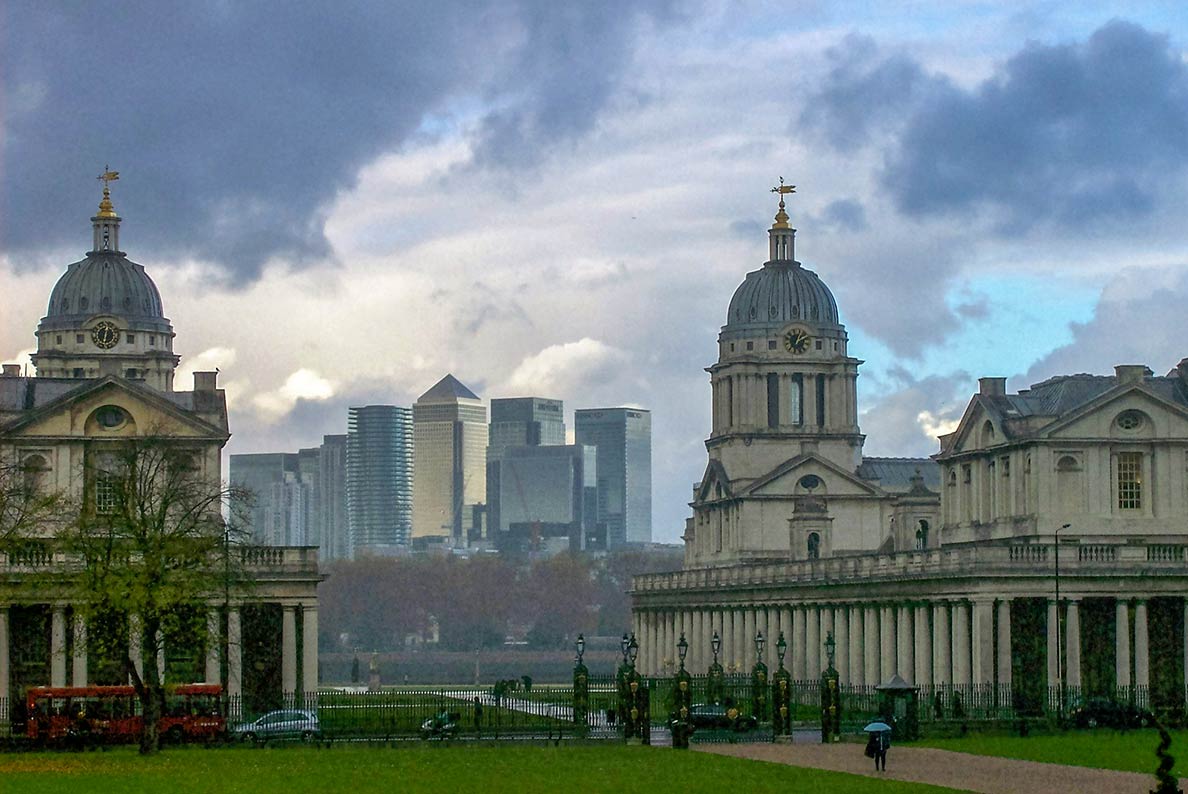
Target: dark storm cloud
{"points": [[234, 124], [1060, 134], [845, 214]]}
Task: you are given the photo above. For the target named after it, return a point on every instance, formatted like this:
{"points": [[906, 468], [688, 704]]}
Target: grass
{"points": [[1130, 751], [491, 770]]}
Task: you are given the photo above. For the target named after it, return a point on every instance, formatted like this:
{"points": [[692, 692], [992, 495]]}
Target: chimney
{"points": [[1131, 373], [12, 370], [992, 387], [206, 381]]}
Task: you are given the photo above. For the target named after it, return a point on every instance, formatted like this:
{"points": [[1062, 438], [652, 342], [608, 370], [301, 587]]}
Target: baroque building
{"points": [[1042, 550], [105, 377]]}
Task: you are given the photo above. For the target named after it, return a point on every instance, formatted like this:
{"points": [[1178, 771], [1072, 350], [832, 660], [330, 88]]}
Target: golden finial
{"points": [[106, 210], [781, 218]]}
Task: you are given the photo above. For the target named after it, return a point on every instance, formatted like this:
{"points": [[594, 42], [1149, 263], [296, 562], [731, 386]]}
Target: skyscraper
{"points": [[334, 534], [623, 438], [277, 516], [450, 428], [379, 473], [550, 498], [518, 422]]}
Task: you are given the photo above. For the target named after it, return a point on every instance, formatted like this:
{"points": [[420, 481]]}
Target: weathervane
{"points": [[106, 210], [782, 189]]}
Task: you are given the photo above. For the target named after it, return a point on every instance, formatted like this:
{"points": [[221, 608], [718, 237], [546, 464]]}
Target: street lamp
{"points": [[830, 648], [781, 649], [759, 643], [716, 645], [682, 649], [623, 643], [632, 650], [581, 647], [1059, 653]]}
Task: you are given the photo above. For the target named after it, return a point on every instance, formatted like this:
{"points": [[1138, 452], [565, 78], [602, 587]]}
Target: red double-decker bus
{"points": [[112, 714]]}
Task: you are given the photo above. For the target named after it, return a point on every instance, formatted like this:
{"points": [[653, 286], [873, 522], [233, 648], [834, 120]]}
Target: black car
{"points": [[1106, 713], [714, 715]]}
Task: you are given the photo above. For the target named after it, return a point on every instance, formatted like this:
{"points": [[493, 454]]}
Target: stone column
{"points": [[288, 650], [58, 646], [962, 644], [1053, 643], [1122, 642], [983, 641], [78, 667], [800, 643], [234, 657], [812, 641], [789, 635], [656, 635], [857, 668], [942, 645], [752, 628], [923, 649], [1004, 651], [214, 637], [309, 653], [841, 633], [870, 645], [1142, 653], [886, 643], [1072, 644], [826, 613], [905, 656], [738, 649], [5, 674]]}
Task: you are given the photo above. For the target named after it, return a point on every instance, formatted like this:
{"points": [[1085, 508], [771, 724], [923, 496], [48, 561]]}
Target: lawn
{"points": [[1131, 751], [491, 770]]}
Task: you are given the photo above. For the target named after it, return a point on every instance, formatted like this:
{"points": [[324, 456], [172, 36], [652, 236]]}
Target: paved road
{"points": [[961, 771]]}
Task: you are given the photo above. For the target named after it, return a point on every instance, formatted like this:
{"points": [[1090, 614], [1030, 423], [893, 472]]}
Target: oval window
{"points": [[1130, 420], [110, 417]]}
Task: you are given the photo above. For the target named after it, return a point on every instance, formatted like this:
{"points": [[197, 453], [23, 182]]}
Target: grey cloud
{"points": [[1134, 322], [977, 309], [892, 424], [747, 229], [845, 214], [1060, 134], [234, 125]]}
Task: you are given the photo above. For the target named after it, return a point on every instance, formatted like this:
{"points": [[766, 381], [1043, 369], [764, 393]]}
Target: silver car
{"points": [[283, 724]]}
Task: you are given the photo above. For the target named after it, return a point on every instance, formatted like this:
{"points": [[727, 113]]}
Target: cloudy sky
{"points": [[342, 202]]}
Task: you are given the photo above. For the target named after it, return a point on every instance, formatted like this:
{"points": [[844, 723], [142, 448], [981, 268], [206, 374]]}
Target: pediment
{"points": [[787, 480], [978, 428], [1097, 418], [145, 413], [715, 484]]}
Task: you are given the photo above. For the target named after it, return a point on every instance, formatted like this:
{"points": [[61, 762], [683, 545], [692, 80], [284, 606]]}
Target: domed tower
{"points": [[104, 315], [784, 384]]}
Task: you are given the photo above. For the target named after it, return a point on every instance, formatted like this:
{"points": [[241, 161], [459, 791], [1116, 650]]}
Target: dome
{"points": [[779, 293], [106, 282]]}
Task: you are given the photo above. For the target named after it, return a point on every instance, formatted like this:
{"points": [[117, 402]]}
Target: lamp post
{"points": [[1059, 652], [632, 651], [830, 648], [781, 649], [580, 645], [716, 645], [623, 643], [759, 643], [682, 650]]}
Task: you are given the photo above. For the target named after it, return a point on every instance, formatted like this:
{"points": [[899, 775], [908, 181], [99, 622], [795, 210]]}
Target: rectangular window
{"points": [[771, 344], [1130, 480], [59, 339], [152, 341], [105, 494], [795, 403], [131, 339], [773, 400], [820, 401], [750, 345], [78, 339], [78, 372]]}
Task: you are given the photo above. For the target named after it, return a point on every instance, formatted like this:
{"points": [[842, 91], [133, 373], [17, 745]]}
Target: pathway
{"points": [[962, 771]]}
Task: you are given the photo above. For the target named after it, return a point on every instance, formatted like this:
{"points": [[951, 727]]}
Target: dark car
{"points": [[714, 715], [284, 724], [1106, 713]]}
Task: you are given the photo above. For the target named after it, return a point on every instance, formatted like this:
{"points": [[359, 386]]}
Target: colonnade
{"points": [[940, 641], [68, 649]]}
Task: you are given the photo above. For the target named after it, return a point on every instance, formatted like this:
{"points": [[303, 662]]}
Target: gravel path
{"points": [[962, 771]]}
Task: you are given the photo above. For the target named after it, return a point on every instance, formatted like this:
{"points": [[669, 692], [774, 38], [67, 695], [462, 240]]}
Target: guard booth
{"points": [[899, 707]]}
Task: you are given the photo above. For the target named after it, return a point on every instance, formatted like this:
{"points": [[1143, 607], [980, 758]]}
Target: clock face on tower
{"points": [[796, 341], [105, 335]]}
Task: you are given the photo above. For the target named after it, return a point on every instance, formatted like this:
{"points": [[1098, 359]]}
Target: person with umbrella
{"points": [[878, 743]]}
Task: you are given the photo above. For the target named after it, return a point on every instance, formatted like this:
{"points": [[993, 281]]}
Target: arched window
{"points": [[922, 535], [814, 546]]}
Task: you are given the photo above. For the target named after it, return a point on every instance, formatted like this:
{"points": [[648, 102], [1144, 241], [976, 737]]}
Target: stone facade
{"points": [[1044, 545]]}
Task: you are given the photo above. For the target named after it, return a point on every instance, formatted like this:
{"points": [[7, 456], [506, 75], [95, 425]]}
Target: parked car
{"points": [[443, 725], [1106, 713], [282, 724], [714, 715]]}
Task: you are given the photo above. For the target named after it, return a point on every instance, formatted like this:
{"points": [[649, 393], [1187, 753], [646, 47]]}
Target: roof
{"points": [[895, 474], [106, 282], [448, 388], [779, 293]]}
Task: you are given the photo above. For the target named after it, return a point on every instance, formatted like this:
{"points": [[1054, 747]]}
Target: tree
{"points": [[156, 543], [29, 508]]}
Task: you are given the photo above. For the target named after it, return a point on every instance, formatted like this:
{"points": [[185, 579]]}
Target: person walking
{"points": [[883, 741]]}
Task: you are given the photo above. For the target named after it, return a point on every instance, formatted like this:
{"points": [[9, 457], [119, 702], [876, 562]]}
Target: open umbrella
{"points": [[877, 727]]}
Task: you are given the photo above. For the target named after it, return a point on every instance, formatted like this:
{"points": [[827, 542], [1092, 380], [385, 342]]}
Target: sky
{"points": [[341, 203]]}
